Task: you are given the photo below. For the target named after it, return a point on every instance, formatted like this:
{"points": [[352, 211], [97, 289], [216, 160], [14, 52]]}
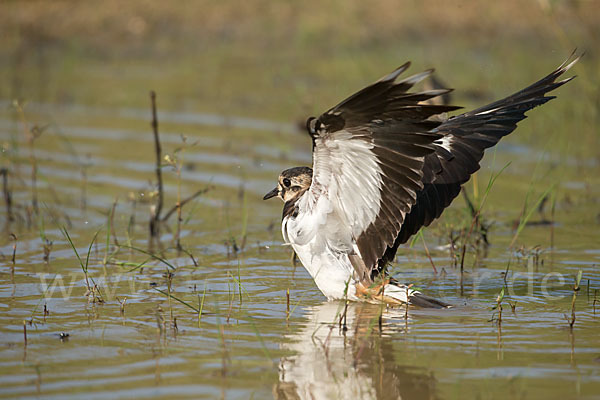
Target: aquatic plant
{"points": [[576, 287], [92, 290]]}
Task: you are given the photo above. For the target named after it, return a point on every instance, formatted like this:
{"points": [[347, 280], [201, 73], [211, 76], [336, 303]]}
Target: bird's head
{"points": [[292, 183]]}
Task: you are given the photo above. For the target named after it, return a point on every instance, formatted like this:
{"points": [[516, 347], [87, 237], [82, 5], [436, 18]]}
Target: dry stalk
{"points": [[429, 255], [184, 202], [7, 195], [122, 305], [287, 309], [25, 333], [155, 217], [576, 287]]}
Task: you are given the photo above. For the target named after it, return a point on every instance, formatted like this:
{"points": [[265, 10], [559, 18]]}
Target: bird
{"points": [[387, 161]]}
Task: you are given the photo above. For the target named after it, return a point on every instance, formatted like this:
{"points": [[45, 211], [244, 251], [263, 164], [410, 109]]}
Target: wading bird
{"points": [[387, 162]]}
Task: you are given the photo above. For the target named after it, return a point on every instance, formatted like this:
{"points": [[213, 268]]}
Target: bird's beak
{"points": [[272, 193]]}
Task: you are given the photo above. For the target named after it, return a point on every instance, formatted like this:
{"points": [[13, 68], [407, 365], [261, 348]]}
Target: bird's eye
{"points": [[286, 182]]}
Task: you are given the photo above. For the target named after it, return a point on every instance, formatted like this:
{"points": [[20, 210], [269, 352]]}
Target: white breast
{"points": [[327, 263]]}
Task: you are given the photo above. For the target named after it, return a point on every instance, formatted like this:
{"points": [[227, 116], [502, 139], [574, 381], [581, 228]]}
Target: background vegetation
{"points": [[214, 308]]}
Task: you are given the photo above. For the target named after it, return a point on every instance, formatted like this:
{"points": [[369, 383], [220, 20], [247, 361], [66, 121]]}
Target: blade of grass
{"points": [[136, 266], [108, 231], [244, 220], [201, 304], [151, 255], [530, 212], [43, 296], [240, 285], [84, 267], [415, 238], [87, 258], [260, 339], [490, 184], [168, 295]]}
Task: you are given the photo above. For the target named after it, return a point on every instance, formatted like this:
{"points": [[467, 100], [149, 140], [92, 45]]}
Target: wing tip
{"points": [[567, 65], [416, 78], [392, 76]]}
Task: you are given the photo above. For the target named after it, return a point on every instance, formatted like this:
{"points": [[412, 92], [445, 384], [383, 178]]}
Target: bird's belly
{"points": [[332, 271]]}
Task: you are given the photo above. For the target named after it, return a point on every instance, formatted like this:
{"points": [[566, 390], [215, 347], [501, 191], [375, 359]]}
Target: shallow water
{"points": [[249, 343]]}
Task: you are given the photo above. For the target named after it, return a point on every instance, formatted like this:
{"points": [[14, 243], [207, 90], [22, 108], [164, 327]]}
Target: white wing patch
{"points": [[492, 110], [445, 142], [345, 195]]}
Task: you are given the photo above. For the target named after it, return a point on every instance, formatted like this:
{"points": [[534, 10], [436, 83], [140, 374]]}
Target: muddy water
{"points": [[248, 342]]}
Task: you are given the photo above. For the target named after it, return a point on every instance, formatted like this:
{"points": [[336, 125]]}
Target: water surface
{"points": [[249, 343]]}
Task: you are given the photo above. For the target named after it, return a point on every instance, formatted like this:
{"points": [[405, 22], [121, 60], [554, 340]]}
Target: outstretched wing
{"points": [[369, 153], [458, 152]]}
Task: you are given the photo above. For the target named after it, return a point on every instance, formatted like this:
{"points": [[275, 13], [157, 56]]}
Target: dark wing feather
{"points": [[387, 101], [376, 140], [457, 155]]}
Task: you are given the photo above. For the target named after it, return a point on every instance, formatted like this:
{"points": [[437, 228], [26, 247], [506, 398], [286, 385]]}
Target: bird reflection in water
{"points": [[352, 361]]}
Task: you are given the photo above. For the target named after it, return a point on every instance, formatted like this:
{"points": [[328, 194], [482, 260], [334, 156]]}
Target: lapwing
{"points": [[386, 162]]}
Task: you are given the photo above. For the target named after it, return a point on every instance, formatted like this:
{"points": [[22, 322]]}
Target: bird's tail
{"points": [[423, 301], [415, 298], [395, 293]]}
